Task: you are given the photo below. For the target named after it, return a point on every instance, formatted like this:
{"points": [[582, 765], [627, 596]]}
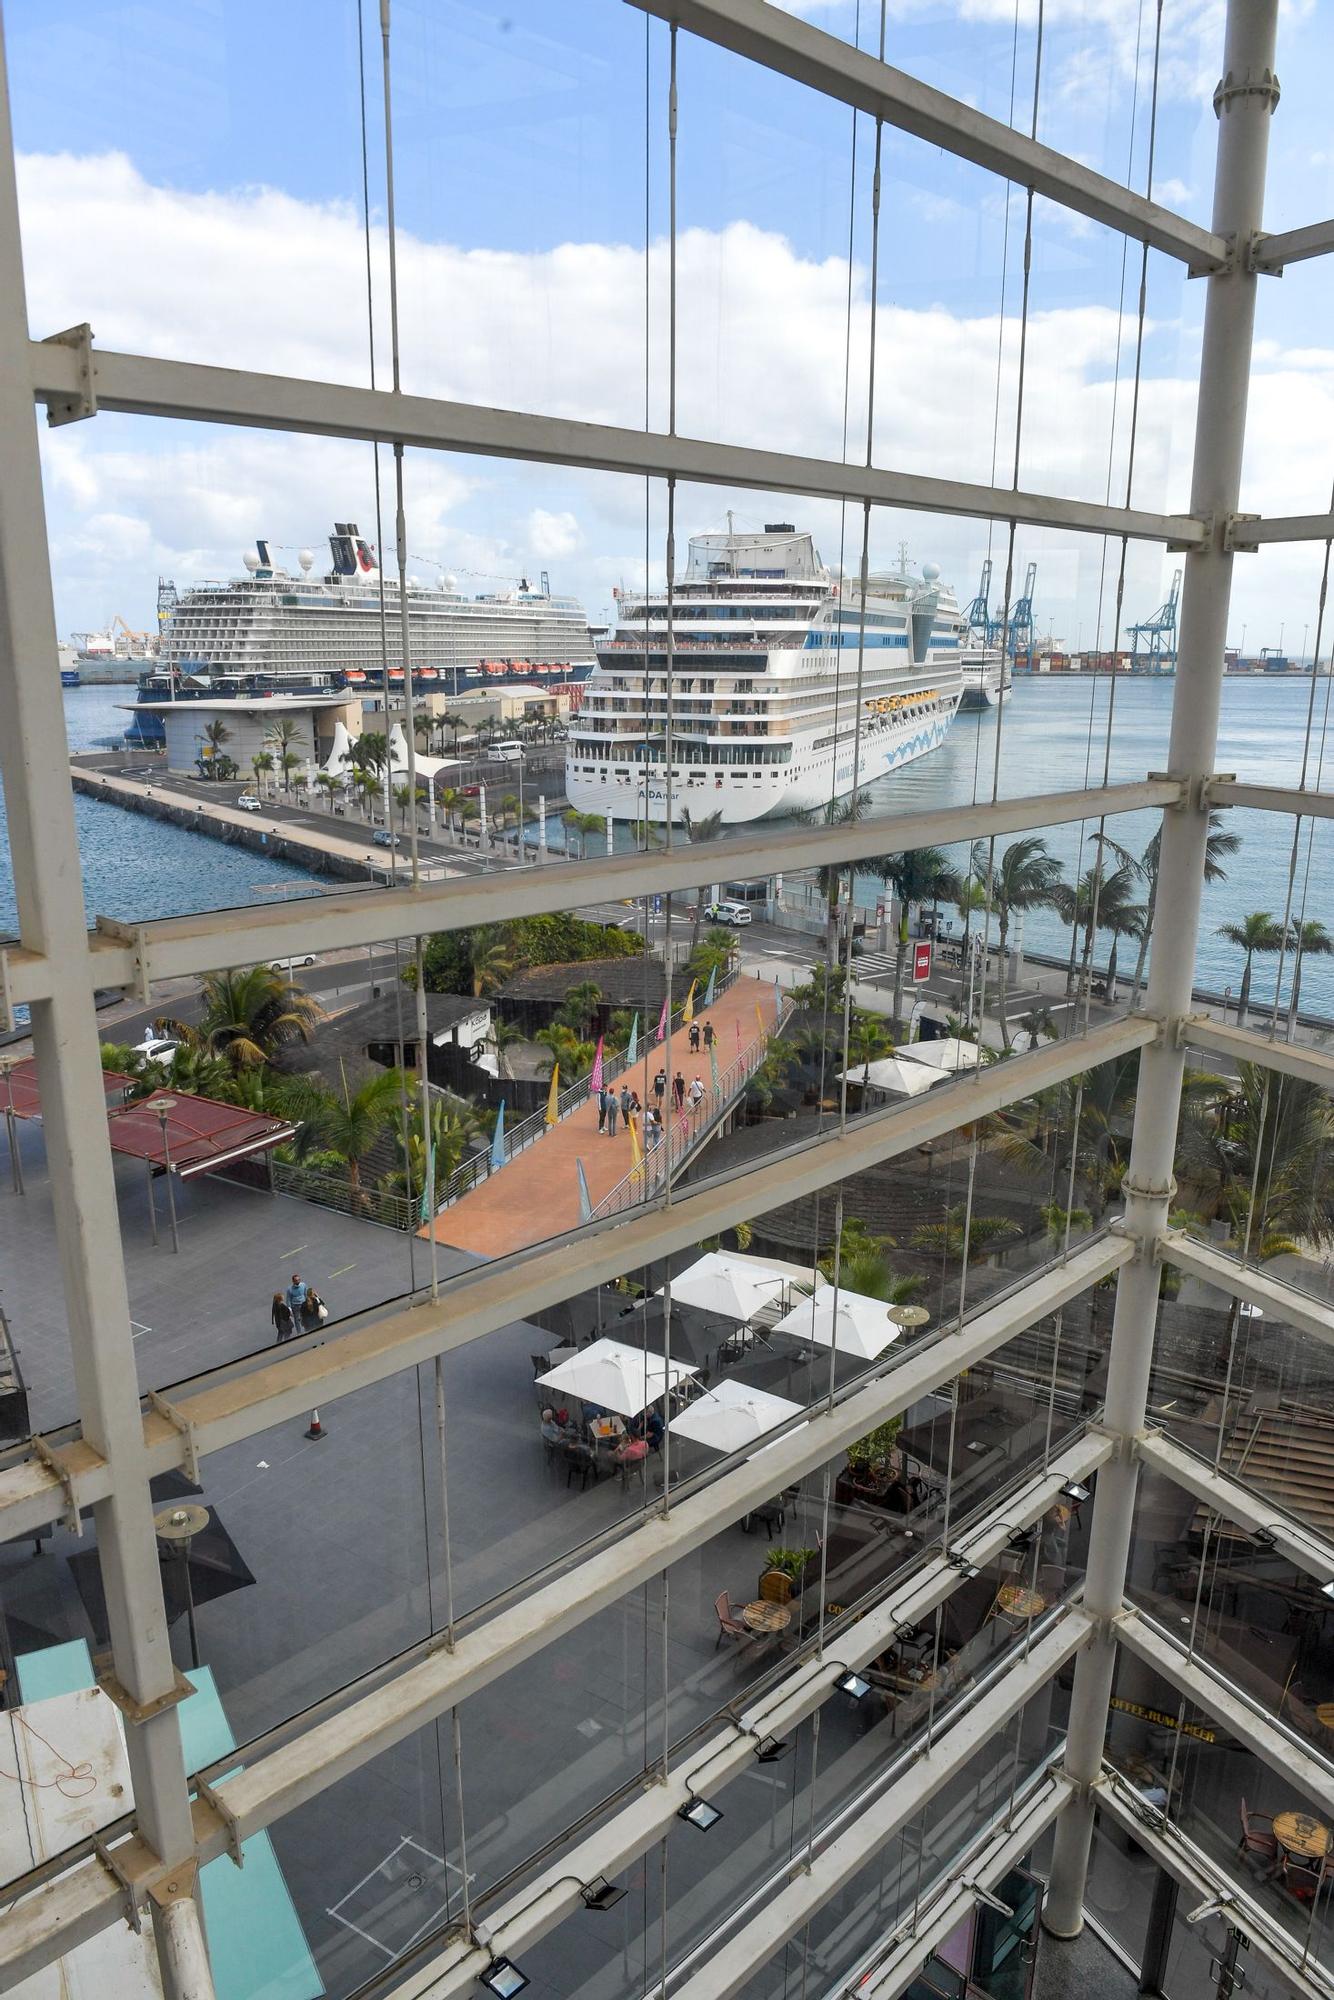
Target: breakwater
{"points": [[318, 854]]}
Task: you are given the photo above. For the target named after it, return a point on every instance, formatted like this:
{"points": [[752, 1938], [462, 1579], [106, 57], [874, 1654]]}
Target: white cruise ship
{"points": [[273, 631], [768, 716], [986, 674]]}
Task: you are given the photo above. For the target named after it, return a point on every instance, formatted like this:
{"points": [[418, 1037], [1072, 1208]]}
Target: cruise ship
{"points": [[768, 714], [274, 631], [986, 676]]}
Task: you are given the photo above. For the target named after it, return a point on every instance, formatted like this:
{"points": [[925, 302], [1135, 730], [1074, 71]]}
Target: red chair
{"points": [[729, 1625], [1258, 1846]]}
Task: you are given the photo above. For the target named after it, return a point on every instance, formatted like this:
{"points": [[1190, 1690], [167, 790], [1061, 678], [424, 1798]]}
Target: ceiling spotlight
{"points": [[600, 1894], [770, 1749], [907, 1316], [1074, 1491], [853, 1684], [502, 1977], [699, 1814], [1022, 1538], [957, 1560], [1265, 1537], [1327, 1590]]}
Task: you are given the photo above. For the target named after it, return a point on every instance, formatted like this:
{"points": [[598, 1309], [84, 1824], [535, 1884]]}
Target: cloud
{"points": [[256, 279]]}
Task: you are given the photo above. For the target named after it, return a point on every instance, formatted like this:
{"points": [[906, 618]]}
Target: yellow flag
{"points": [[553, 1094], [688, 1011], [636, 1149], [760, 1018]]}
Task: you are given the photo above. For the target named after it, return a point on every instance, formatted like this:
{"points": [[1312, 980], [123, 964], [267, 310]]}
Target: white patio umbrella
{"points": [[732, 1415], [855, 1325], [905, 1079], [948, 1053], [616, 1377], [734, 1287]]}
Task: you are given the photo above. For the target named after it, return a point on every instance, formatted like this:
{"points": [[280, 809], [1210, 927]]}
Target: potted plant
{"points": [[871, 1457], [787, 1564]]}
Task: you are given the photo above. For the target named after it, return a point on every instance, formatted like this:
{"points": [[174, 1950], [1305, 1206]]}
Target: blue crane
{"points": [[1160, 629], [1019, 639], [977, 614]]}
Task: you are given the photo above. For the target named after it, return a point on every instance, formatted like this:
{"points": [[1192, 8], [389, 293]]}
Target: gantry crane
{"points": [[1160, 629]]}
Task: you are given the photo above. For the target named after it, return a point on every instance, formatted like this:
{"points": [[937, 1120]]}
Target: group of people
{"points": [[697, 1034], [574, 1441], [681, 1096], [299, 1309], [612, 1104]]}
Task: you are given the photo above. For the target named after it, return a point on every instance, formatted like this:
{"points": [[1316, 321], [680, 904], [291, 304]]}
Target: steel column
{"points": [[45, 848], [1244, 102]]}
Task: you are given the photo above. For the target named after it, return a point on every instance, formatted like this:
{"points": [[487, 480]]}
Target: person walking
{"points": [[679, 1089], [660, 1087], [635, 1104], [296, 1296], [280, 1313], [653, 1125], [695, 1093], [694, 1038], [709, 1035], [613, 1109], [626, 1104], [603, 1095]]}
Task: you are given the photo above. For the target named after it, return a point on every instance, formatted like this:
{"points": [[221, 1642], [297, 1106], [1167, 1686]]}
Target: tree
{"points": [[565, 1047], [1218, 845], [838, 812], [985, 1232], [700, 832], [350, 1122], [328, 784], [283, 732], [261, 764], [970, 902], [580, 1009], [1264, 1157], [403, 799], [1024, 877], [863, 1266], [450, 801], [582, 823], [216, 733], [1306, 940], [922, 875], [492, 964], [868, 1040], [1258, 932], [247, 1014], [1097, 902]]}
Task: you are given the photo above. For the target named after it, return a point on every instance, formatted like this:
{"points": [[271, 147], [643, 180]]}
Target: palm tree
{"points": [[1097, 902], [350, 1122], [1306, 940], [402, 799], [582, 823], [216, 733], [454, 723], [970, 902], [248, 1013], [283, 732], [328, 784], [564, 1047], [985, 1232], [699, 832], [261, 764], [1023, 878], [838, 812], [492, 962], [1260, 931], [868, 1040], [580, 1009], [450, 801], [504, 1034], [1271, 1134], [1218, 845], [863, 1266], [922, 875]]}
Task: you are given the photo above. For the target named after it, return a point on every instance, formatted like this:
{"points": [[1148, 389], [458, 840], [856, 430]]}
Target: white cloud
{"points": [[257, 279]]}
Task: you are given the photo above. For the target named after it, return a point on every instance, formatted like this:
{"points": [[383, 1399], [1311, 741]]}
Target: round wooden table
{"points": [[1016, 1600], [1324, 1714], [762, 1616], [1300, 1834]]}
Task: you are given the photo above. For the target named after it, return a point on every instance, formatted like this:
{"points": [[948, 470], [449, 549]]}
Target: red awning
{"points": [[19, 1092], [200, 1132]]}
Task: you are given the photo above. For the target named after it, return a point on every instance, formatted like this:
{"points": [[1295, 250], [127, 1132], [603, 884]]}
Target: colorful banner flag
{"points": [[662, 1024], [585, 1205], [713, 1065], [737, 1025], [632, 1046], [636, 1149], [498, 1139], [760, 1018], [688, 1011], [711, 989], [553, 1094], [595, 1079]]}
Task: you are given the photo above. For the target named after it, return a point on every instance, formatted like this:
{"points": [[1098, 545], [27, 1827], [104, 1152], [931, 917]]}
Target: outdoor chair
{"points": [[1258, 1847], [729, 1624], [541, 1363], [582, 1463], [776, 1587]]}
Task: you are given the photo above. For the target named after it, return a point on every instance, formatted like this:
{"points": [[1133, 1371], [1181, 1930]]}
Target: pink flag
{"points": [[662, 1024], [595, 1080], [737, 1026]]}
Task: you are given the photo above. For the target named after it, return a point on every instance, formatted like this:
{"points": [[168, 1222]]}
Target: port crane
{"points": [[1019, 639], [1160, 629], [977, 614]]}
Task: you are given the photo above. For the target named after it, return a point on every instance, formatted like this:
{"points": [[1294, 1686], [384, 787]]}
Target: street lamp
{"points": [[164, 1106], [177, 1527]]}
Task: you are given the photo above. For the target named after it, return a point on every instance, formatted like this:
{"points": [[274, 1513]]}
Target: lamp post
{"points": [[164, 1106], [177, 1527]]}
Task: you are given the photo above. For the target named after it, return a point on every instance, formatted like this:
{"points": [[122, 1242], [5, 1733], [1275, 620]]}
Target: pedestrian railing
{"points": [[528, 1131], [366, 1202], [685, 1130]]}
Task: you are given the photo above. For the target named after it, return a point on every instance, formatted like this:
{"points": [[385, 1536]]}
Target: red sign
{"points": [[921, 960]]}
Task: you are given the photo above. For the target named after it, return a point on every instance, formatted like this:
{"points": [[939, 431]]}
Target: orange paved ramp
{"points": [[536, 1195]]}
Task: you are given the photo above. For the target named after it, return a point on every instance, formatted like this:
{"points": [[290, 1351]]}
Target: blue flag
{"points": [[709, 990], [498, 1139], [632, 1046], [585, 1205]]}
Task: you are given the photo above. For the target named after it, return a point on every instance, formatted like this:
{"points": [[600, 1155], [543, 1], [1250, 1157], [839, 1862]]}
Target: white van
{"points": [[509, 753], [728, 913]]}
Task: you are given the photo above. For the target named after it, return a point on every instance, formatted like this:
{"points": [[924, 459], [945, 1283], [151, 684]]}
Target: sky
{"points": [[191, 185]]}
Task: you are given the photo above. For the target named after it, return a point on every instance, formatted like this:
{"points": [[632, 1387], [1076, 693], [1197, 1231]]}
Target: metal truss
{"points": [[519, 1924], [1271, 253], [174, 946], [1243, 1045], [237, 1402], [1292, 1538], [793, 48], [1277, 798], [1197, 1871], [1244, 1281]]}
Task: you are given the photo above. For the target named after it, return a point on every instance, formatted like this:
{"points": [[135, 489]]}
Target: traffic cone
{"points": [[317, 1429]]}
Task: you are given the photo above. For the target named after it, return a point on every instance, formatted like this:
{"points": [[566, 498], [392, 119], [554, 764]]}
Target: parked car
{"points": [[728, 913], [384, 838], [157, 1048], [288, 964], [249, 803]]}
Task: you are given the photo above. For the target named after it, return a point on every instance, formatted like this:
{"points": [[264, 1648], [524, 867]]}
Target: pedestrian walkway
{"points": [[536, 1195]]}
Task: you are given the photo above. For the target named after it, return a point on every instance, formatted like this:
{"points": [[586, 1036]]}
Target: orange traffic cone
{"points": [[317, 1429]]}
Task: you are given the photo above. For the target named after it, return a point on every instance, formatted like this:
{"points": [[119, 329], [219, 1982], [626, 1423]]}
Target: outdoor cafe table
{"points": [[1299, 1833], [606, 1430], [1017, 1601], [762, 1616]]}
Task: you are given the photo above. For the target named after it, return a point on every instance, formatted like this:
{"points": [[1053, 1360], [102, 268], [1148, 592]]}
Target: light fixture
{"points": [[992, 1902], [957, 1560], [907, 1316], [1327, 1590], [600, 1894], [1021, 1538], [1214, 1907], [503, 1977], [1072, 1490], [1265, 1537], [770, 1749], [853, 1683], [699, 1814]]}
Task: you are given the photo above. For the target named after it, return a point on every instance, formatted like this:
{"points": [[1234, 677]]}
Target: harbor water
{"points": [[1051, 736]]}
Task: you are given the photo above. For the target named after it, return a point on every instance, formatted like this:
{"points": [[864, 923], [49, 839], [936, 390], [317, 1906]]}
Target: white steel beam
{"points": [[793, 48], [1271, 798], [1266, 1938], [1242, 1045], [173, 947], [1251, 530], [1279, 1301], [236, 1402], [815, 1879], [1240, 1715], [520, 1924], [1248, 1509], [1271, 253], [151, 386]]}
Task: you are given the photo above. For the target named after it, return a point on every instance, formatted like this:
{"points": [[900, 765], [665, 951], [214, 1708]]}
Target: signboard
{"points": [[921, 960], [1162, 1719]]}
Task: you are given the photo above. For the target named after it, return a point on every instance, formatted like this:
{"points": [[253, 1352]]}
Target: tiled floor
{"points": [[1083, 1969]]}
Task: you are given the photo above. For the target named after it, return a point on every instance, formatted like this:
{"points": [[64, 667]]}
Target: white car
{"points": [[384, 838], [156, 1048], [249, 803], [287, 964], [728, 913]]}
